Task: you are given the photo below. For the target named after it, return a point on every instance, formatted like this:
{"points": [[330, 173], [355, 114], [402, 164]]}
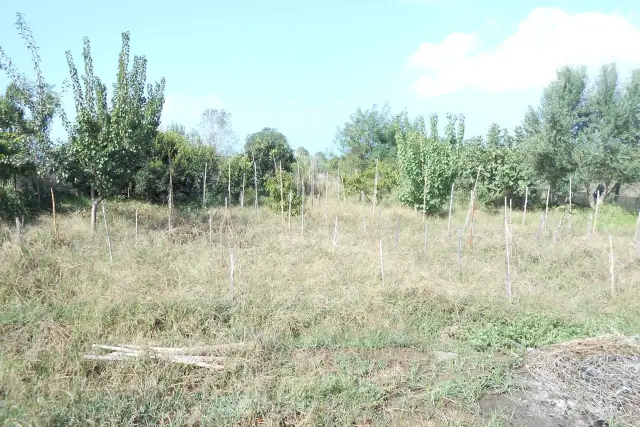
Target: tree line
{"points": [[584, 131]]}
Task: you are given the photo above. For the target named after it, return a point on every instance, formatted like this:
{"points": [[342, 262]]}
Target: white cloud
{"points": [[547, 39], [187, 110]]}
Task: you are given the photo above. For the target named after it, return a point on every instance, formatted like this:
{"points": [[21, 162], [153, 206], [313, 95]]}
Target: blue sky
{"points": [[304, 67]]}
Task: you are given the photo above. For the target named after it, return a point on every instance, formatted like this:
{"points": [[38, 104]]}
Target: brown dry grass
{"points": [[296, 296]]}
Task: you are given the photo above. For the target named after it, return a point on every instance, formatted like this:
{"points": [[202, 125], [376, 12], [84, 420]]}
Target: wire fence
{"points": [[631, 204]]}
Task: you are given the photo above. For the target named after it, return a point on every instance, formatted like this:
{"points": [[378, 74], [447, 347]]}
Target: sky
{"points": [[303, 67]]}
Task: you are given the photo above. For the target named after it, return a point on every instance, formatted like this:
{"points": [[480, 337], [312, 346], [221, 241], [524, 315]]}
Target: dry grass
{"points": [[333, 340]]}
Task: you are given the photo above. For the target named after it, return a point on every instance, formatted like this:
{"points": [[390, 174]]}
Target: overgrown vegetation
{"points": [[337, 342]]}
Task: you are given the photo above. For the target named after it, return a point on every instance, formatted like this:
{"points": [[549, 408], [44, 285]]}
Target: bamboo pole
{"points": [[281, 195]]}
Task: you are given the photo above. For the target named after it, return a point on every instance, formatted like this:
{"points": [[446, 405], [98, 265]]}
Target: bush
{"points": [[272, 186]]}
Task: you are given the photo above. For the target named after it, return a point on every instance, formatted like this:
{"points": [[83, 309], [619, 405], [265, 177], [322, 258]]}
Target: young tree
{"points": [[108, 143]]}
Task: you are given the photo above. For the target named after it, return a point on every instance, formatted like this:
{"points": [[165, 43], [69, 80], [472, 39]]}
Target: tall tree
{"points": [[37, 101], [217, 130], [267, 146], [368, 135], [108, 143]]}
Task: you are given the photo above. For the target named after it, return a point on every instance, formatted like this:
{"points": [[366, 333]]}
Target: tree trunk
{"points": [[95, 201]]}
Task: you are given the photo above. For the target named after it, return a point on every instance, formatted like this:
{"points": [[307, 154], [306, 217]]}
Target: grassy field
{"points": [[333, 345]]}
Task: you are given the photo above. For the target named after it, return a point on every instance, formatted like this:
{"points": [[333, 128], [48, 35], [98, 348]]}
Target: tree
{"points": [[217, 130], [267, 146], [37, 104], [368, 135], [611, 147], [109, 143], [426, 165], [556, 129]]}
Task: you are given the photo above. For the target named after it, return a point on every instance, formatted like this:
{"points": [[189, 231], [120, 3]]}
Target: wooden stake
{"points": [[281, 195], [364, 215], [546, 209], [335, 234], [570, 202], [210, 228], [18, 231], [450, 209], [302, 197], [232, 284], [229, 182], [460, 251], [375, 189], [170, 193], [612, 268], [242, 194], [204, 187], [53, 211], [226, 205], [106, 229], [595, 217], [526, 200], [255, 178], [290, 200], [381, 264], [508, 252]]}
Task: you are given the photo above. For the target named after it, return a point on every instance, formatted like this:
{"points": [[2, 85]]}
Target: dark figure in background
{"points": [[599, 190]]}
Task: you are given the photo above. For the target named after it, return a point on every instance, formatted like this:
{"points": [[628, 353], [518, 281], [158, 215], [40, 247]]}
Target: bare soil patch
{"points": [[591, 382]]}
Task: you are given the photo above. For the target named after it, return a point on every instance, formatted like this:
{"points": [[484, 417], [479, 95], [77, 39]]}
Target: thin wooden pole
{"points": [[281, 195], [106, 229], [255, 178], [546, 209], [612, 268], [232, 281], [381, 263], [526, 200], [364, 215], [335, 234], [595, 217], [290, 200], [375, 190], [53, 211], [460, 251], [210, 228], [204, 187], [229, 181], [242, 195], [570, 202], [18, 231], [450, 209], [508, 252], [302, 197]]}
